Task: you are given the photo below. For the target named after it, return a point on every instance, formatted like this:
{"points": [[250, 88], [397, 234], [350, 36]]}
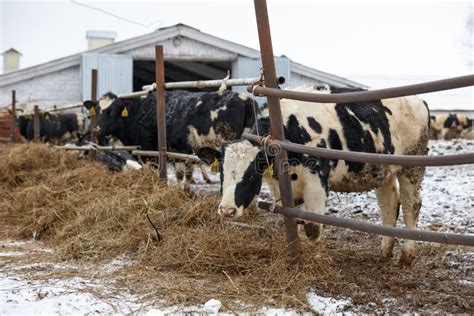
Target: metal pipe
{"points": [[402, 160], [276, 124], [443, 238], [199, 84], [66, 107], [170, 155], [36, 123], [13, 121], [92, 114], [135, 94], [98, 148], [366, 96], [161, 109]]}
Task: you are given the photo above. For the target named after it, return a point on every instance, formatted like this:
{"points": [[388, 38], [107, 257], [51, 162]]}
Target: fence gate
{"points": [[115, 71]]}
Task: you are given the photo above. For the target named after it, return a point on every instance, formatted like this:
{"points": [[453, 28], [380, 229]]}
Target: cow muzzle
{"points": [[96, 130], [227, 211]]}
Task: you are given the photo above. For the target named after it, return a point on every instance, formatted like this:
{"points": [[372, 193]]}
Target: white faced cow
{"points": [[397, 126]]}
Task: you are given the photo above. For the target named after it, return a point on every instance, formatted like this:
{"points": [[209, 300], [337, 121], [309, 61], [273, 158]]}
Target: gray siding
{"points": [[114, 73], [249, 68]]}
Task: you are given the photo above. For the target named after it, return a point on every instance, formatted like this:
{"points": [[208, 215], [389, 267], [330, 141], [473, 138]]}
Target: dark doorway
{"points": [[144, 72]]}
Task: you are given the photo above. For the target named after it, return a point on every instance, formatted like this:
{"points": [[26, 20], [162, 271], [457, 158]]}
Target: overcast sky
{"points": [[366, 41]]}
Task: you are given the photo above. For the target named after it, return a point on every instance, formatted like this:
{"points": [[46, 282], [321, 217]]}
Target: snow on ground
{"points": [[448, 200]]}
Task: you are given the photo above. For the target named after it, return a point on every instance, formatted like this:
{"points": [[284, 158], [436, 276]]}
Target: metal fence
{"points": [[276, 122]]}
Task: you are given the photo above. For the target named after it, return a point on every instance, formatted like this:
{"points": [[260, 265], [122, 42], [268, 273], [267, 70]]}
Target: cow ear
{"points": [[209, 155], [89, 104]]}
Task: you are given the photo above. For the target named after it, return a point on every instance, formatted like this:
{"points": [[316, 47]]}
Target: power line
{"points": [[114, 15]]}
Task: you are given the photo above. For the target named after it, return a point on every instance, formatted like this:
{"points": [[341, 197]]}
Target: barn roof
{"points": [[161, 35]]}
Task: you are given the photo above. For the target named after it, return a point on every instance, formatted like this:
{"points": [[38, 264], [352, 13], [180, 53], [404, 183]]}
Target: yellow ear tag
{"points": [[28, 117], [268, 173], [215, 166], [125, 112], [92, 111], [46, 117]]}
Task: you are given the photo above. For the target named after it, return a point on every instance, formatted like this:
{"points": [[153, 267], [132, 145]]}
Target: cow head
{"points": [[109, 111], [241, 177]]}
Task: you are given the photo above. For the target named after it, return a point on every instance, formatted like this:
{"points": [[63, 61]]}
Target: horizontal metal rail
{"points": [[192, 84], [366, 96], [98, 148], [205, 83], [170, 155], [136, 94], [443, 238], [402, 160], [55, 109]]}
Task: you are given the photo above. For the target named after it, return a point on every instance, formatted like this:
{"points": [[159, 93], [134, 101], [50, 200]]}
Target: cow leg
{"points": [[205, 176], [179, 168], [188, 175], [410, 186], [314, 196], [388, 200]]}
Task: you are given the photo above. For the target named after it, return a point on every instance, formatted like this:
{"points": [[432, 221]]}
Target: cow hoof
{"points": [[385, 257], [209, 181], [313, 231], [406, 259]]}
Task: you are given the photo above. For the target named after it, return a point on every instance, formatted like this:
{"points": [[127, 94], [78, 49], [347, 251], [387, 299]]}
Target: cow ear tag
{"points": [[268, 173], [125, 112], [215, 166], [28, 117], [46, 116], [92, 111]]}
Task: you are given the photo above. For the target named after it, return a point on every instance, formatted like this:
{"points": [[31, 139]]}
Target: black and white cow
{"points": [[53, 127], [114, 160], [392, 126], [196, 122], [449, 126]]}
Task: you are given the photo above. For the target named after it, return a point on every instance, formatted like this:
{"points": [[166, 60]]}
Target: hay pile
{"points": [[87, 213], [91, 215]]}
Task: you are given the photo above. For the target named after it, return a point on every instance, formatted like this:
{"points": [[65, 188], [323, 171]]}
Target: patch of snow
{"points": [[326, 305], [212, 306], [11, 254]]}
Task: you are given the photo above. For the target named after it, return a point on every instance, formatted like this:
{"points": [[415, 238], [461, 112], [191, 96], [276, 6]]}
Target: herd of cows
{"points": [[210, 125]]}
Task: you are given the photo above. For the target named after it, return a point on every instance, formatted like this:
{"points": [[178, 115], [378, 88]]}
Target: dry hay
{"points": [[89, 214]]}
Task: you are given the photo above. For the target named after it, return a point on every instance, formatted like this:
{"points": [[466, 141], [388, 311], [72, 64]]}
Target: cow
{"points": [[196, 122], [449, 126], [114, 160], [397, 126], [53, 127]]}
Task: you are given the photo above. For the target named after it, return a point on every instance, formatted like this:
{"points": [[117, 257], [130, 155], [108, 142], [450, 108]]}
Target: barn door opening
{"points": [[179, 70]]}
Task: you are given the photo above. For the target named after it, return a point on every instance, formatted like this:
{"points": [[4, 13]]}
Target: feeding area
{"points": [[180, 198], [89, 237]]}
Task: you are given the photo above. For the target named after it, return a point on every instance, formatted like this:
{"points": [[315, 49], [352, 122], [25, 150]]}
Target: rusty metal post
{"points": [[276, 123], [36, 123], [92, 114], [161, 109], [13, 122]]}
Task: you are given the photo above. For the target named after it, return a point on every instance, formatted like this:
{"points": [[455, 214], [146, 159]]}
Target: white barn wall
{"points": [[57, 88], [298, 80], [183, 48]]}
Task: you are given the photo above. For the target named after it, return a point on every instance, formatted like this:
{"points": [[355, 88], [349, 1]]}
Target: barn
{"points": [[127, 65]]}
